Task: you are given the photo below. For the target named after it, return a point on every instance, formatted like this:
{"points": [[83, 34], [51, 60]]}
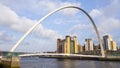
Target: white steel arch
{"points": [[43, 18]]}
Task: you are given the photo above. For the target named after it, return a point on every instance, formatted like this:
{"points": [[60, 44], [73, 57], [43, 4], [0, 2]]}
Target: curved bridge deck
{"points": [[72, 56]]}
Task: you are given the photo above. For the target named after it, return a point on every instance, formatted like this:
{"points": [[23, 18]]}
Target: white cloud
{"points": [[21, 24], [82, 30], [50, 5], [70, 11], [40, 7], [7, 16], [113, 9], [106, 17], [4, 37], [95, 13], [47, 33], [109, 25], [80, 27]]}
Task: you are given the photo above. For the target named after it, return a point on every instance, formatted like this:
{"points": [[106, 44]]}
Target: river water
{"points": [[35, 62]]}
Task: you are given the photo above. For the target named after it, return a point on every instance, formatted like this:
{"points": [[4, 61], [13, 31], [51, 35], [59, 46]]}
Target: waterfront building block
{"points": [[107, 42], [80, 48], [68, 45], [68, 38], [75, 44], [72, 47], [114, 46], [89, 45]]}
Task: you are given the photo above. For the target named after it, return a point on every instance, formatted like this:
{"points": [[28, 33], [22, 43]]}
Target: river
{"points": [[36, 62]]}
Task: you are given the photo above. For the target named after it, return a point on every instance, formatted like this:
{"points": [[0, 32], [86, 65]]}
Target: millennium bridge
{"points": [[60, 55]]}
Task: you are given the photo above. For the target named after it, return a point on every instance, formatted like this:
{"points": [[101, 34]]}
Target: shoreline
{"points": [[85, 58], [16, 64]]}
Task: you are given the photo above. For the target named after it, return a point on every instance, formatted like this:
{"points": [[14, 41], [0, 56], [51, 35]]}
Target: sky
{"points": [[17, 16]]}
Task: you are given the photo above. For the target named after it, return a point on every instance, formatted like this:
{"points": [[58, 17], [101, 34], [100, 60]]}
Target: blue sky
{"points": [[17, 16]]}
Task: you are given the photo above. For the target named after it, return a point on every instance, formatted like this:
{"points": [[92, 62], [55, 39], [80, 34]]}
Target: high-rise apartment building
{"points": [[108, 43], [89, 45]]}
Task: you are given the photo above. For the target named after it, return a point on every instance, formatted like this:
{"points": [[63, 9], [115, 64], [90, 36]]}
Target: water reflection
{"points": [[65, 63]]}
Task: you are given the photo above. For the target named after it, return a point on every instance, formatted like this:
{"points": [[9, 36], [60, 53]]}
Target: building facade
{"points": [[80, 48], [89, 45], [114, 46], [68, 45], [75, 44], [109, 43]]}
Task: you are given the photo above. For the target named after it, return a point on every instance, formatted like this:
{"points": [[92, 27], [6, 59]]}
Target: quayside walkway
{"points": [[58, 54], [72, 56]]}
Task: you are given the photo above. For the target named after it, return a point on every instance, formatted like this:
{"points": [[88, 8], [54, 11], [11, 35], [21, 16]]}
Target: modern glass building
{"points": [[109, 43]]}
